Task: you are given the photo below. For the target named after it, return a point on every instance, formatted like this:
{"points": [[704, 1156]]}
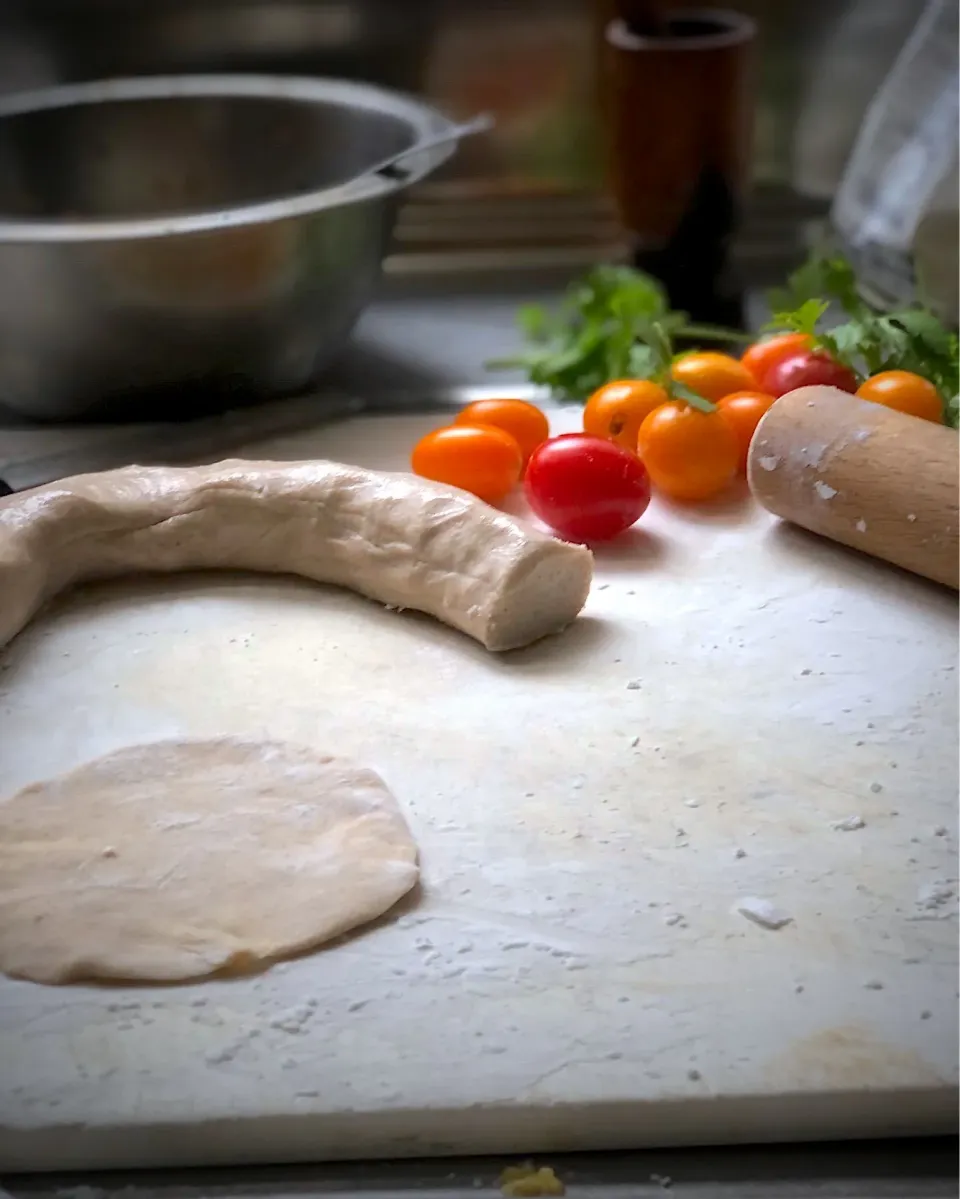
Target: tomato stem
{"points": [[717, 333], [680, 391]]}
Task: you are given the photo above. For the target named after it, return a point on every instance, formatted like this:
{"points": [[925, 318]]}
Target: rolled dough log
{"points": [[180, 859], [395, 538]]}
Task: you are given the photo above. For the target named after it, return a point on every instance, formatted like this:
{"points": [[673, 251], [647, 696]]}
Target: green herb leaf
{"points": [[534, 322], [803, 319], [614, 323], [821, 277], [641, 363], [926, 329], [869, 341], [845, 343]]}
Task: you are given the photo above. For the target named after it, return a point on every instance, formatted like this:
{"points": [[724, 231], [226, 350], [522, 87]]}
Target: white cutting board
{"points": [[573, 974]]}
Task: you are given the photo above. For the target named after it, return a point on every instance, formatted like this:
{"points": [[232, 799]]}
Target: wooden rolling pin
{"points": [[863, 475]]}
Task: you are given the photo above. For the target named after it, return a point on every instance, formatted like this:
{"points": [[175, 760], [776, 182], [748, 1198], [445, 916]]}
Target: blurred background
{"points": [[533, 193], [814, 118]]}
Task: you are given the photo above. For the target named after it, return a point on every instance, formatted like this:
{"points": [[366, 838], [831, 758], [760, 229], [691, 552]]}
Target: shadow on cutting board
{"points": [[856, 567]]}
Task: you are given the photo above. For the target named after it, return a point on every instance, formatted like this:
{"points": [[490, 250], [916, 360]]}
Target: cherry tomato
{"points": [[617, 410], [480, 459], [904, 391], [763, 355], [742, 411], [712, 375], [586, 488], [807, 368], [524, 422], [689, 454]]}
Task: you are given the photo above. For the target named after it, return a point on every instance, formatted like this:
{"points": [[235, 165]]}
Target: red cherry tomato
{"points": [[807, 368], [586, 488], [764, 355]]}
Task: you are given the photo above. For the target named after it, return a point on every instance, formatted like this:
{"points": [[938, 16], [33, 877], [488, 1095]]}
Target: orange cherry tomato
{"points": [[742, 411], [905, 392], [524, 422], [712, 375], [689, 454], [763, 355], [479, 458], [616, 411]]}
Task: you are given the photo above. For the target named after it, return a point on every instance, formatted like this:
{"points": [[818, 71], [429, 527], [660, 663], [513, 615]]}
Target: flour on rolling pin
{"points": [[863, 475]]}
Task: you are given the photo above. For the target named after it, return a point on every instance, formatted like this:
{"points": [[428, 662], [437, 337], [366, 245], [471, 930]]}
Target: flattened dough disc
{"points": [[179, 859]]}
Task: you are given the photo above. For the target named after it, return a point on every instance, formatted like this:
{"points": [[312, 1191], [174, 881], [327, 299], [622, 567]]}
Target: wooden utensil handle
{"points": [[863, 475]]}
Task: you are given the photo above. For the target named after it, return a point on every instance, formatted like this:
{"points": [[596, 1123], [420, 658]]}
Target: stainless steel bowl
{"points": [[211, 232]]}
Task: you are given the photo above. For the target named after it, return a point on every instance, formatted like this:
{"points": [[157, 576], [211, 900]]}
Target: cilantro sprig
{"points": [[615, 323], [868, 341]]}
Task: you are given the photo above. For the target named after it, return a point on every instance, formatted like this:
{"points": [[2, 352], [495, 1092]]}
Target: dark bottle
{"points": [[677, 102]]}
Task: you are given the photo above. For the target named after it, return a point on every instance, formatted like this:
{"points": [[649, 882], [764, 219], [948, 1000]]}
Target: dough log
{"points": [[397, 539]]}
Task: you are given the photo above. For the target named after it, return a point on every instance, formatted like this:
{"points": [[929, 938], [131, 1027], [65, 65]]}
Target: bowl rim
{"points": [[425, 121]]}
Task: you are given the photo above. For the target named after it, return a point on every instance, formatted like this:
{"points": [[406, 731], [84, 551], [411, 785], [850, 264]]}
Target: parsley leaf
{"points": [[869, 341], [615, 323], [803, 319]]}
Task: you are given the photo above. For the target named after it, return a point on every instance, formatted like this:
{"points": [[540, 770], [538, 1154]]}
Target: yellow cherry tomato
{"points": [[478, 458], [712, 375], [616, 411], [689, 454], [524, 422], [905, 392]]}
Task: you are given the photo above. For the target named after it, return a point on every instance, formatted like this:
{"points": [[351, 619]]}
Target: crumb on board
{"points": [[763, 912], [518, 1182], [849, 824]]}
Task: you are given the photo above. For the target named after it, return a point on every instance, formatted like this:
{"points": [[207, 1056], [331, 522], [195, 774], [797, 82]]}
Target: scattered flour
{"points": [[934, 896], [295, 1020]]}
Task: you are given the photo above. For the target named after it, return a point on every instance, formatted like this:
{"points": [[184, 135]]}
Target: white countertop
{"points": [[574, 974]]}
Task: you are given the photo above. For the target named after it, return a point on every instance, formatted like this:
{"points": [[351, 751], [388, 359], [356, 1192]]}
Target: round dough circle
{"points": [[180, 859]]}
